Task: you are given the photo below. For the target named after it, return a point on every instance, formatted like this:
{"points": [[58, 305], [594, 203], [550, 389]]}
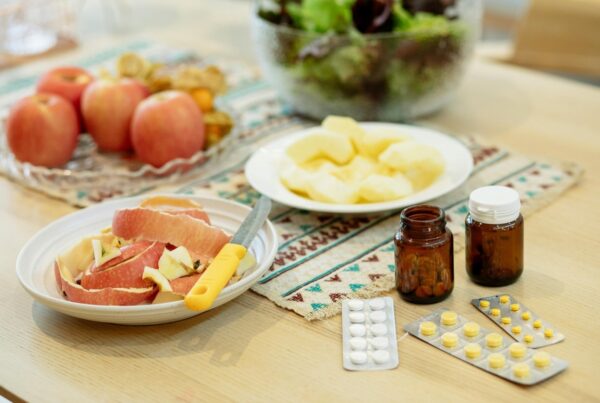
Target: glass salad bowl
{"points": [[387, 76]]}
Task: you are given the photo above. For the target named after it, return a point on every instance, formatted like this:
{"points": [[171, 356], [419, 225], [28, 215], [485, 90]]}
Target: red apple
{"points": [[42, 129], [108, 107], [166, 126], [69, 82]]}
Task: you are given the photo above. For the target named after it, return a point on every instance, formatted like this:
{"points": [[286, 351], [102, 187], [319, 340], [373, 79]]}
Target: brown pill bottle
{"points": [[424, 255], [494, 236]]}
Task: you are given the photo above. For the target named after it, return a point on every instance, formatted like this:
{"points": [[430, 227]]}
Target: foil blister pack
{"points": [[369, 334], [518, 321], [485, 349]]}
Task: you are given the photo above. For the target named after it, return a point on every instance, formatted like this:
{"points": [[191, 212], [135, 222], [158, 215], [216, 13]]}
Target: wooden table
{"points": [[251, 350]]}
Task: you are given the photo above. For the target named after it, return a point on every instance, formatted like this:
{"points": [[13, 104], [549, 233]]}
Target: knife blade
{"points": [[218, 273]]}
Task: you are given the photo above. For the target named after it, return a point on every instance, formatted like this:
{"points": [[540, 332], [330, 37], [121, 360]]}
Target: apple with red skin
{"points": [[69, 82], [165, 126], [42, 129], [108, 107]]}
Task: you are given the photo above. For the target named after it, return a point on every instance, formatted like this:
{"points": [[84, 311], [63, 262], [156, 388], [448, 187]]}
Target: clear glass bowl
{"points": [[386, 77], [93, 176]]}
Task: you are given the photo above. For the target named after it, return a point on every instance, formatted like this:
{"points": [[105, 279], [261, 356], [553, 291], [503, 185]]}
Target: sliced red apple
{"points": [[127, 274], [127, 252], [183, 285]]}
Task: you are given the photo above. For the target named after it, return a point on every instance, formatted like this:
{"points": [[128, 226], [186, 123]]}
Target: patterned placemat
{"points": [[325, 258]]}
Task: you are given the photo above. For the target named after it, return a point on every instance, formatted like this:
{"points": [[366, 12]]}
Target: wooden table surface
{"points": [[251, 350]]}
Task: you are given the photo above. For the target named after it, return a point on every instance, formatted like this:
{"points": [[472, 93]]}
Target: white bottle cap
{"points": [[494, 204]]}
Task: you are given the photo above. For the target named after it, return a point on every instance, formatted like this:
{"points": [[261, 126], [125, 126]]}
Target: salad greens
{"points": [[381, 59]]}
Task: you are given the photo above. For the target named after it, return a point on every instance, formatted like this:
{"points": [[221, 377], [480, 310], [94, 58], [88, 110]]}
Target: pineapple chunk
{"points": [[380, 188], [376, 142], [346, 126], [409, 155], [295, 178], [333, 146], [422, 164], [359, 168], [327, 188]]}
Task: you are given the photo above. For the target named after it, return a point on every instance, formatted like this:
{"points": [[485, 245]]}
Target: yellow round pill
{"points": [[548, 333], [516, 329], [505, 320], [472, 350], [528, 338], [521, 370], [537, 323], [493, 340], [526, 315], [515, 307], [427, 328], [484, 303], [449, 318], [449, 339], [495, 312], [541, 359], [504, 299], [471, 329], [496, 360], [517, 350]]}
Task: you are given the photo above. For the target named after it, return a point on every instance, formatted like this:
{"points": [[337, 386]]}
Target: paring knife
{"points": [[204, 293]]}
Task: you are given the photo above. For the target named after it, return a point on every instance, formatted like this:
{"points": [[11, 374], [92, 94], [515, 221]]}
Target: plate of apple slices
{"points": [[344, 166], [131, 261]]}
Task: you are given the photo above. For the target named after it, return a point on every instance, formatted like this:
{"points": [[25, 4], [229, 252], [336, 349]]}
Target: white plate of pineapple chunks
{"points": [[344, 166]]}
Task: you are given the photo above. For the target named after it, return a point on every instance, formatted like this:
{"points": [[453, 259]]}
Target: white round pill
{"points": [[356, 305], [377, 304], [358, 357], [357, 317], [358, 330], [379, 343], [377, 316], [379, 329], [358, 343], [381, 356]]}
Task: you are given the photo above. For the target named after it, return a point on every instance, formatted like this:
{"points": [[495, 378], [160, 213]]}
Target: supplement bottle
{"points": [[494, 236], [424, 255]]}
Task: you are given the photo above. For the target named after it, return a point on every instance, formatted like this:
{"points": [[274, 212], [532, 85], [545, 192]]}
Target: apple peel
{"points": [[69, 265]]}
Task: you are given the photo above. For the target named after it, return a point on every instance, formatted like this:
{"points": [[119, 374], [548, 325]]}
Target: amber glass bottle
{"points": [[494, 236], [424, 255]]}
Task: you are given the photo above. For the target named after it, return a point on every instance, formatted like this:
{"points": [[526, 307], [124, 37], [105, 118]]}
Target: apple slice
{"points": [[167, 296], [156, 276], [103, 253], [126, 274], [175, 263]]}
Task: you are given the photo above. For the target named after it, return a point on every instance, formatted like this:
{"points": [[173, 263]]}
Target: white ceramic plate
{"points": [[262, 171], [34, 263]]}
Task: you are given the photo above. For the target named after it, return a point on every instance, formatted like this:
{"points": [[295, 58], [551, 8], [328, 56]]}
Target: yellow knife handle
{"points": [[204, 293]]}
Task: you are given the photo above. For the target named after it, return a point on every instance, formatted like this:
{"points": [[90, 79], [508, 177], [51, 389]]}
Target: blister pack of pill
{"points": [[518, 321], [369, 334], [485, 349]]}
